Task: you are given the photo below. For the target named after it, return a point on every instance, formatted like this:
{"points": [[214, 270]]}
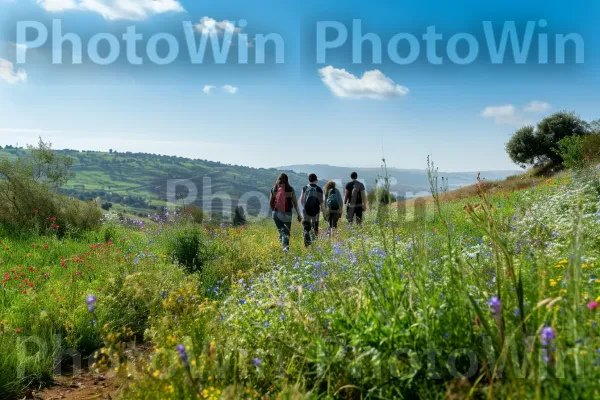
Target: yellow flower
{"points": [[552, 282], [563, 261], [563, 291], [156, 373], [584, 266]]}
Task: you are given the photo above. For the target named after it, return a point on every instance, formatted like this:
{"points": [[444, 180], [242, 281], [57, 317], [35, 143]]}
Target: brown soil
{"points": [[81, 386]]}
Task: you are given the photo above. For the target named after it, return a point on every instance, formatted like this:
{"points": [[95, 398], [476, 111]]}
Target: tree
{"points": [[534, 146], [523, 147], [239, 217]]}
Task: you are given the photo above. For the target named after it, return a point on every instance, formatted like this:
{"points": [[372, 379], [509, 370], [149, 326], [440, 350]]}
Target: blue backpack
{"points": [[333, 203]]}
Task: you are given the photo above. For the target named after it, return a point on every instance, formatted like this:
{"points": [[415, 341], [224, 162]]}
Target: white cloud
{"points": [[230, 89], [211, 26], [115, 9], [537, 107], [208, 89], [9, 74], [372, 85], [510, 115]]}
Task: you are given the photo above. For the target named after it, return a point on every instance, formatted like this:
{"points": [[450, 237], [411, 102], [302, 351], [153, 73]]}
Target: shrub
{"points": [[195, 213], [239, 217], [381, 196], [28, 194], [570, 149], [190, 248]]}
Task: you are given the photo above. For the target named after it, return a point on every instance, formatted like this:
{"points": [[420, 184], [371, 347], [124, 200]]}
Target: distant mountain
{"points": [[137, 182], [406, 183]]}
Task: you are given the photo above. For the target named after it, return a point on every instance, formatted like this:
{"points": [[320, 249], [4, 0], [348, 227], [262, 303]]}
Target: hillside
{"points": [[137, 182], [406, 183]]}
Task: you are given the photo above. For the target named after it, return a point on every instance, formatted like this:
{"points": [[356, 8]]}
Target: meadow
{"points": [[492, 296]]}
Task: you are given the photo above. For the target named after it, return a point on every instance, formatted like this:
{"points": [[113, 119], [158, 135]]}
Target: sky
{"points": [[347, 109]]}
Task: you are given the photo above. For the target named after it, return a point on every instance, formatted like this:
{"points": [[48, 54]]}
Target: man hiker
{"points": [[356, 199], [312, 202]]}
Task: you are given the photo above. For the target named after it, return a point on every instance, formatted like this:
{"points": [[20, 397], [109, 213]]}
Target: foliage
{"points": [[534, 146], [30, 202], [239, 217], [190, 248], [578, 151]]}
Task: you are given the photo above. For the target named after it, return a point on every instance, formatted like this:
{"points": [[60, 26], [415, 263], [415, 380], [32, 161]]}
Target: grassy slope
{"points": [[323, 320]]}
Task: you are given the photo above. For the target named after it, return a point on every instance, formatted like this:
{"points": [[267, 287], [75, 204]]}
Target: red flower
{"points": [[35, 211], [592, 305], [45, 247], [18, 331]]}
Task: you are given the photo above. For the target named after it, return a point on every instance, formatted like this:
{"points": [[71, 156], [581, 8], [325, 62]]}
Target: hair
{"points": [[330, 185], [283, 179], [313, 178], [354, 175]]}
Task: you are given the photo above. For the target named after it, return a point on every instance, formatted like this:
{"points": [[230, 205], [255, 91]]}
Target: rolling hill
{"points": [[137, 182]]}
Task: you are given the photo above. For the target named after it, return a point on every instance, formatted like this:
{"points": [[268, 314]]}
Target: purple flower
{"points": [[257, 362], [91, 308], [90, 300], [547, 335], [183, 356], [495, 305]]}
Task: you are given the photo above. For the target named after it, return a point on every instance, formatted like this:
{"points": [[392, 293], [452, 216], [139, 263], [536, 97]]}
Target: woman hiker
{"points": [[283, 198], [333, 204]]}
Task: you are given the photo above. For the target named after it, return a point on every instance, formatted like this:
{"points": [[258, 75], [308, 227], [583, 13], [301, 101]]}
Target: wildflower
{"points": [[547, 335], [183, 356], [18, 331], [266, 324], [257, 362], [91, 308], [495, 305], [242, 301], [90, 300], [592, 305]]}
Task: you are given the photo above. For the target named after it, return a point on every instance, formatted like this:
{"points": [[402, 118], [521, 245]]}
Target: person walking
{"points": [[356, 199], [312, 203], [283, 198], [333, 205]]}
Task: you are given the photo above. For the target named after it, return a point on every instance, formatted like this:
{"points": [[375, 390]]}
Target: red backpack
{"points": [[282, 201]]}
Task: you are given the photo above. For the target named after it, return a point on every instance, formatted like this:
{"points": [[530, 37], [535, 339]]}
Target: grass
{"points": [[480, 297]]}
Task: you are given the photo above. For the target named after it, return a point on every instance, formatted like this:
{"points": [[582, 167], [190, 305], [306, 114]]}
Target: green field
{"points": [[488, 297]]}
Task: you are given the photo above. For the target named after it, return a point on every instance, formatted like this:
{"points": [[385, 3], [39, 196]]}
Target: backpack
{"points": [[281, 201], [356, 196], [311, 201], [333, 203]]}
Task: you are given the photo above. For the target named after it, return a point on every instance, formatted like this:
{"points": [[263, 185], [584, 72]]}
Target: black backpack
{"points": [[356, 195], [311, 201]]}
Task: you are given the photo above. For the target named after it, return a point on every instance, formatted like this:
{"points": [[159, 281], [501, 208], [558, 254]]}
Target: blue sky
{"points": [[299, 111]]}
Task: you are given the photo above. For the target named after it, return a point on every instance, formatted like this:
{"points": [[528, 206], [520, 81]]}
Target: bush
{"points": [[577, 151], [195, 213], [29, 199], [239, 217], [190, 248], [534, 146], [381, 196]]}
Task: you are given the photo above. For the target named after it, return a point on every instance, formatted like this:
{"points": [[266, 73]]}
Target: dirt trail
{"points": [[81, 386]]}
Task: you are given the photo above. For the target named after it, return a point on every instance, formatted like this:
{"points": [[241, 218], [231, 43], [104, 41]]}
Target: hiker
{"points": [[312, 203], [333, 204], [356, 199], [283, 198]]}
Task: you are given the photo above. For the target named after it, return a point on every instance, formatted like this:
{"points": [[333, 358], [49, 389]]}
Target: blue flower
{"points": [[91, 308], [495, 305], [266, 324], [257, 361], [183, 356], [90, 300], [242, 301]]}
